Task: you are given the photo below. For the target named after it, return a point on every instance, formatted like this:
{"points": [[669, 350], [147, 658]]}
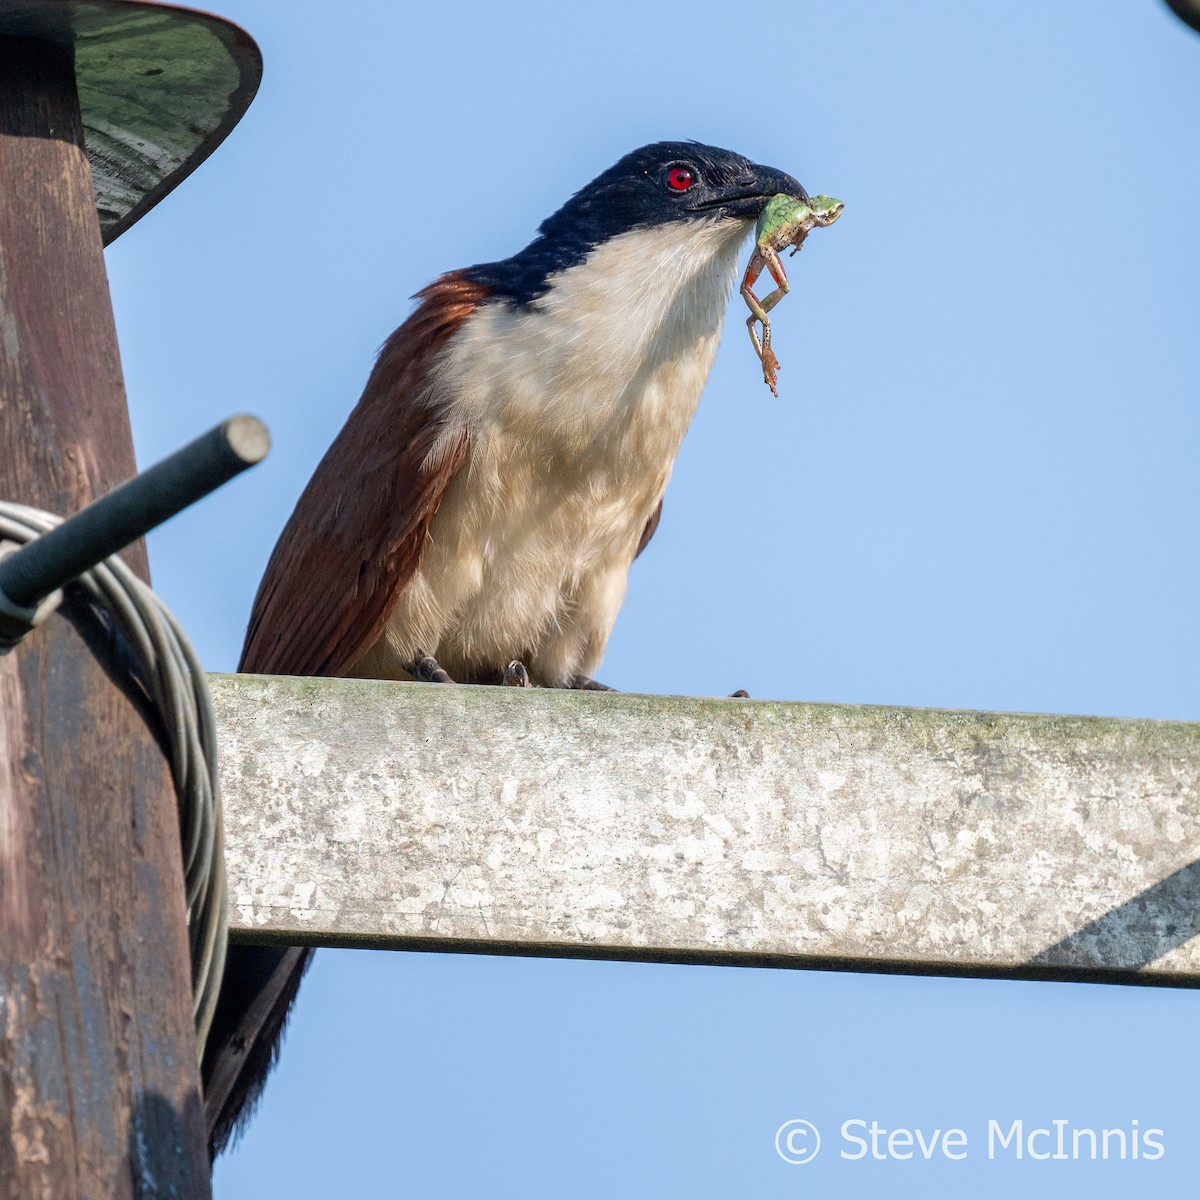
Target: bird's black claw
{"points": [[427, 670], [515, 675], [585, 683]]}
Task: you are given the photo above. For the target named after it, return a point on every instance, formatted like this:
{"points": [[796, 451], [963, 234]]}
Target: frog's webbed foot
{"points": [[770, 364], [426, 669], [515, 675]]}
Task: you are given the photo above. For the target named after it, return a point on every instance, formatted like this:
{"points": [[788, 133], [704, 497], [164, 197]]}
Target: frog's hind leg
{"points": [[775, 266], [759, 310]]}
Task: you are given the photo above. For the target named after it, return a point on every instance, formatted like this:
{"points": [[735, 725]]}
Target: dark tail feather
{"points": [[259, 986]]}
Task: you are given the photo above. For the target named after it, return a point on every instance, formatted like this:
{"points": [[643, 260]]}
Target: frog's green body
{"points": [[785, 221]]}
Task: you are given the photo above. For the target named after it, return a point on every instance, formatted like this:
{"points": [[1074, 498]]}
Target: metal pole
{"points": [[131, 510]]}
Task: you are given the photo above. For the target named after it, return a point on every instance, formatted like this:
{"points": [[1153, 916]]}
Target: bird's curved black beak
{"points": [[748, 195]]}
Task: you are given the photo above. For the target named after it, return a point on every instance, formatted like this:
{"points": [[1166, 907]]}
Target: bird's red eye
{"points": [[679, 179]]}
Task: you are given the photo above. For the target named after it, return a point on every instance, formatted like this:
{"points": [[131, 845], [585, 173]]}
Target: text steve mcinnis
{"points": [[1058, 1139]]}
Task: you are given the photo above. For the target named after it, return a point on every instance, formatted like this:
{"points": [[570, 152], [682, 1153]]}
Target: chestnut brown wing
{"points": [[359, 529]]}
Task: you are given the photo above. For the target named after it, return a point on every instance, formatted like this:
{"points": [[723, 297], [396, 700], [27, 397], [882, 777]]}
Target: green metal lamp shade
{"points": [[159, 88]]}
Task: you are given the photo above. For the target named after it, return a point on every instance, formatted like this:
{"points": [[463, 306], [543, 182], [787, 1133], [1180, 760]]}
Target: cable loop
{"points": [[178, 689]]}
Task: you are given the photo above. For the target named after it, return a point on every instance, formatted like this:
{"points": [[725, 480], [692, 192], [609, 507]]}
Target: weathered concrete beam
{"points": [[660, 828]]}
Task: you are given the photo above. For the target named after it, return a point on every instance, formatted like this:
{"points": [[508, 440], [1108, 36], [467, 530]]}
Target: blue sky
{"points": [[977, 489]]}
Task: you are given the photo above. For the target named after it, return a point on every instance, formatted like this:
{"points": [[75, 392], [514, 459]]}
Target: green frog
{"points": [[785, 221]]}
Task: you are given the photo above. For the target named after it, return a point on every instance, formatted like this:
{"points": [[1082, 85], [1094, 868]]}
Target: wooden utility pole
{"points": [[98, 1079]]}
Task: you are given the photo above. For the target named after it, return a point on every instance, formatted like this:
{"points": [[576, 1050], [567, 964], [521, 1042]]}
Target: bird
{"points": [[476, 518]]}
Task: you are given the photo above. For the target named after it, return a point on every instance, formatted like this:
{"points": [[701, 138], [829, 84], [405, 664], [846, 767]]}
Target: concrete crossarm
{"points": [[724, 831]]}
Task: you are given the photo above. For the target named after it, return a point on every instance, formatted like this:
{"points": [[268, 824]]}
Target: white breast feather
{"points": [[576, 409]]}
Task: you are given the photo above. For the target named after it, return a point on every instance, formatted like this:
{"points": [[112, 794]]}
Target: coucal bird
{"points": [[505, 465]]}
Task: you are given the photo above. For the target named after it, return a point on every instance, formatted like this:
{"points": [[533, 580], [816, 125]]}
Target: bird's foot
{"points": [[585, 683], [426, 669], [515, 675]]}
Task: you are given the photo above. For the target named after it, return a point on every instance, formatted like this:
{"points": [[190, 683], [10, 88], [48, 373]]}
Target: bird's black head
{"points": [[670, 181], [658, 184]]}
